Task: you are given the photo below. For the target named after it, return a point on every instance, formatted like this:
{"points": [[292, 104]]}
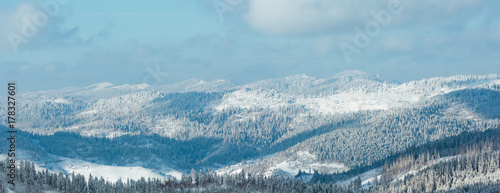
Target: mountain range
{"points": [[351, 122]]}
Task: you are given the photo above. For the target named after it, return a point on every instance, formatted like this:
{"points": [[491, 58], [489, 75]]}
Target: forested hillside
{"points": [[331, 129], [474, 167]]}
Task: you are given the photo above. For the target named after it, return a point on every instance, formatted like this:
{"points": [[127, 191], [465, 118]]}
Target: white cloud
{"points": [[327, 16], [294, 16], [11, 22], [34, 24]]}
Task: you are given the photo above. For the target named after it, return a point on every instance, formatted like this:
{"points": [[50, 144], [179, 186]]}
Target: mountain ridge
{"points": [[277, 125]]}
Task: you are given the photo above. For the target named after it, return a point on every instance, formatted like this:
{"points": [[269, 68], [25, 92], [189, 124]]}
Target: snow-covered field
{"points": [[109, 173], [302, 160], [367, 178], [306, 162]]}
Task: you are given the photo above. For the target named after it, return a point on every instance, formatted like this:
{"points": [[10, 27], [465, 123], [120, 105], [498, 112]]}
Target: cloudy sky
{"points": [[51, 44]]}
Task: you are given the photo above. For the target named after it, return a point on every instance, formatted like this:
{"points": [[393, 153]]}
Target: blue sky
{"points": [[51, 44]]}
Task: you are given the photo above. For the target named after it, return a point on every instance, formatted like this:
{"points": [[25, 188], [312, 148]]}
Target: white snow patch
{"points": [[440, 160], [132, 87], [306, 162], [252, 99], [58, 101], [237, 171], [99, 86], [367, 178], [111, 173]]}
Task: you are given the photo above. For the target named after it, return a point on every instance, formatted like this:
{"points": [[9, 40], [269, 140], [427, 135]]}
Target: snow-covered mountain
{"points": [[278, 126], [196, 85]]}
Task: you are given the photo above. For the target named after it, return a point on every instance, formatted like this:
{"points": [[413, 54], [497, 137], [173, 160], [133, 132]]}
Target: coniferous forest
{"points": [[473, 168], [351, 133]]}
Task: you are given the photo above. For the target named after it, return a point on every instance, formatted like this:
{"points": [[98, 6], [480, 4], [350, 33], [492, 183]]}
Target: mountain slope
{"points": [[350, 120]]}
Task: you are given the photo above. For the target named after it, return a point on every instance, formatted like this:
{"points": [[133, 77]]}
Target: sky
{"points": [[50, 44]]}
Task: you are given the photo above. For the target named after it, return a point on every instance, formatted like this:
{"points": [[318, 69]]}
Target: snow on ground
{"points": [[403, 175], [20, 154], [99, 86], [169, 172], [121, 105], [237, 171], [132, 87], [466, 180], [380, 97], [356, 101], [170, 126], [304, 161], [367, 178], [461, 111], [340, 102], [58, 101], [111, 173], [252, 99], [236, 168]]}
